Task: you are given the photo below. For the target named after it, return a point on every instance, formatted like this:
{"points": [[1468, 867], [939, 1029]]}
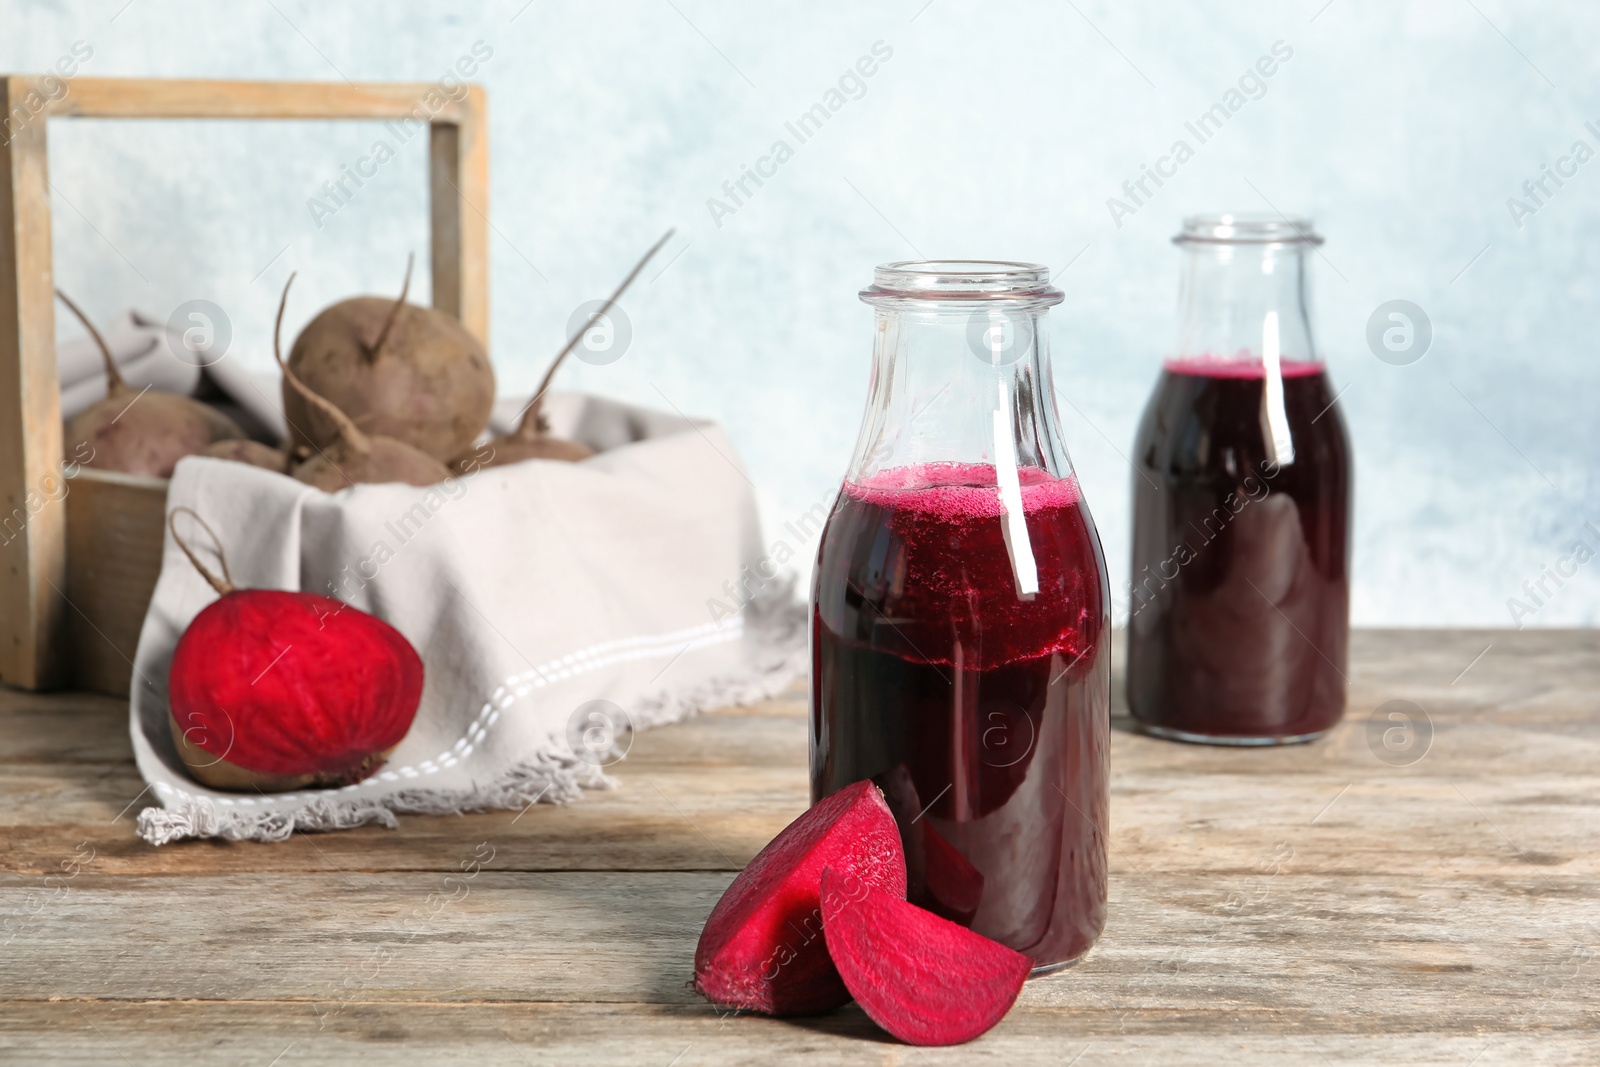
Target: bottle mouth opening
{"points": [[1248, 228], [961, 280]]}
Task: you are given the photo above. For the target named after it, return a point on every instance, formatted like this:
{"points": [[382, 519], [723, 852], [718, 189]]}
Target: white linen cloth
{"points": [[529, 591]]}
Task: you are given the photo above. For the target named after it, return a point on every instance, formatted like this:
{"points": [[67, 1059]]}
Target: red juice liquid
{"points": [[983, 717], [1240, 603]]}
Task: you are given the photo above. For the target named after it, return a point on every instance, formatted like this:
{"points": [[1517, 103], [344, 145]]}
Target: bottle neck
{"points": [[1243, 304], [959, 395]]}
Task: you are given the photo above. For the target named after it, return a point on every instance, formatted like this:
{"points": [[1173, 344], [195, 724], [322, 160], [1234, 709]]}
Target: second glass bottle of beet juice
{"points": [[960, 632], [1240, 598]]}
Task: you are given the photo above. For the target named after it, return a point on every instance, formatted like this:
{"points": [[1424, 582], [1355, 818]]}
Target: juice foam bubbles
{"points": [[1240, 367], [955, 594]]}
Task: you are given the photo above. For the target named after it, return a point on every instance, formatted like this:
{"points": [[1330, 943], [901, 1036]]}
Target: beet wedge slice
{"points": [[955, 886], [762, 948], [924, 979]]}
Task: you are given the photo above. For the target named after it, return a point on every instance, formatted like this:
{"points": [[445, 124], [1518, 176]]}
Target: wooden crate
{"points": [[114, 539], [79, 555]]}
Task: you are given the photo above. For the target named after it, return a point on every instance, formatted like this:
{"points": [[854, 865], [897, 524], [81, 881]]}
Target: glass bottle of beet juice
{"points": [[1240, 599], [960, 631]]}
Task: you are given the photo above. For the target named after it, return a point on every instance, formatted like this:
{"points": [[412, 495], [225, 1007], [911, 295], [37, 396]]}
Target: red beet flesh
{"points": [[293, 684], [924, 979], [955, 886], [763, 948]]}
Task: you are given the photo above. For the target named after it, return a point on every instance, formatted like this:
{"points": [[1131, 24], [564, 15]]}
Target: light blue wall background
{"points": [[996, 130]]}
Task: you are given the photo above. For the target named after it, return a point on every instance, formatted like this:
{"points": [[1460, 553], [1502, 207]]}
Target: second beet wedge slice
{"points": [[763, 948], [926, 980]]}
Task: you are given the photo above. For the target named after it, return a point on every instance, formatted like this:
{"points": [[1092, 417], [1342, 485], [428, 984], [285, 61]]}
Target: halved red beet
{"points": [[922, 978], [273, 690], [763, 948]]}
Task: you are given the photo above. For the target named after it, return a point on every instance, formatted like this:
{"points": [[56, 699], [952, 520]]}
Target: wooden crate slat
{"points": [[189, 98], [458, 197], [115, 528], [32, 516]]}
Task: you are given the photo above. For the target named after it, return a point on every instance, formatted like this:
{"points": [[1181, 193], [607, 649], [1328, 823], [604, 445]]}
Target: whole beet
{"points": [[411, 373], [532, 438], [244, 450], [350, 456], [140, 432], [274, 690]]}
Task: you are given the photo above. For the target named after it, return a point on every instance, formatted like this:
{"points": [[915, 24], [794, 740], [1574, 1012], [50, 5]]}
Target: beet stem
{"points": [[528, 428], [348, 431], [394, 313], [114, 382], [223, 585]]}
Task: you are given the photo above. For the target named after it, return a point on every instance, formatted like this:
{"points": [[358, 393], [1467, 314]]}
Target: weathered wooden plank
{"points": [[1309, 961], [63, 728], [1543, 681], [1546, 680], [665, 821], [640, 1035], [1463, 951], [679, 806], [679, 818], [704, 795]]}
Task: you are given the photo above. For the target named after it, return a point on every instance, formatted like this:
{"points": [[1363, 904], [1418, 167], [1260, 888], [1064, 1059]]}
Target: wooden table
{"points": [[1305, 905]]}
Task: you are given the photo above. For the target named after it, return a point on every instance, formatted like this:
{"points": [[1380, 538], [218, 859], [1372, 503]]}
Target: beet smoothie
{"points": [[1239, 604], [981, 712]]}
